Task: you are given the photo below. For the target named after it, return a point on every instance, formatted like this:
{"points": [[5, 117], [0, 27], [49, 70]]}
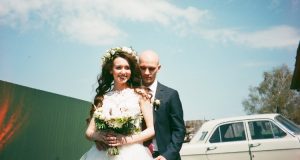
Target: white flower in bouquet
{"points": [[124, 120]]}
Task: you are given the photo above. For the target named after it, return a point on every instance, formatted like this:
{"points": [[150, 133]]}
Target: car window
{"points": [[265, 130], [228, 133], [288, 124], [203, 134], [215, 138]]}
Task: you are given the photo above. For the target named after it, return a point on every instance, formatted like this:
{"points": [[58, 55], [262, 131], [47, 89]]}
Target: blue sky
{"points": [[211, 51]]}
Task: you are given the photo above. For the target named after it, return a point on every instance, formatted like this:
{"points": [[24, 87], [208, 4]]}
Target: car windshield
{"points": [[288, 124]]}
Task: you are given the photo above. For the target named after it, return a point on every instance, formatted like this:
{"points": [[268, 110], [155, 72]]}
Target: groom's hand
{"points": [[160, 158], [101, 145], [115, 139]]}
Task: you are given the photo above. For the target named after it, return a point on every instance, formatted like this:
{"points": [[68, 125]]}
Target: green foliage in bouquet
{"points": [[125, 125]]}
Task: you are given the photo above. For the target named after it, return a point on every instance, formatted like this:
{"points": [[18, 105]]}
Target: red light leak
{"points": [[13, 123]]}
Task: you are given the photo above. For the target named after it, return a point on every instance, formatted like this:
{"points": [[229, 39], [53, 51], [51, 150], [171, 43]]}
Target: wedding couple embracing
{"points": [[128, 95]]}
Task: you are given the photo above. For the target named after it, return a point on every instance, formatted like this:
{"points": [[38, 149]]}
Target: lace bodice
{"points": [[115, 102]]}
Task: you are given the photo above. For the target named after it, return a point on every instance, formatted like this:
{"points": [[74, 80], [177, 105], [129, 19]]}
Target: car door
{"points": [[269, 141], [228, 142]]}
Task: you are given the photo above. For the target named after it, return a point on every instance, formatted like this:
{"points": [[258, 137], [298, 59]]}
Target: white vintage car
{"points": [[253, 137]]}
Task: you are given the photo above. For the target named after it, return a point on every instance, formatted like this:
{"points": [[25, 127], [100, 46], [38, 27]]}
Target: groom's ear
{"points": [[158, 67]]}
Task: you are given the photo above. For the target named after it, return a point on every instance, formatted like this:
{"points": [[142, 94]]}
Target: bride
{"points": [[119, 87]]}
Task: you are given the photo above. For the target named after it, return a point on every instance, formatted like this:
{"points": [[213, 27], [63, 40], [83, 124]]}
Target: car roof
{"points": [[211, 123]]}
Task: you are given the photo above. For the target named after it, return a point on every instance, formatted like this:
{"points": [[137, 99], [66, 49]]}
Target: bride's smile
{"points": [[121, 72]]}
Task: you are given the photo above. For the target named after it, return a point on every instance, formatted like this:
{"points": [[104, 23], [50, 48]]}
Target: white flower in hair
{"points": [[111, 52], [126, 49]]}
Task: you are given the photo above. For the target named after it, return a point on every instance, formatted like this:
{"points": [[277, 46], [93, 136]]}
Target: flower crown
{"points": [[109, 54]]}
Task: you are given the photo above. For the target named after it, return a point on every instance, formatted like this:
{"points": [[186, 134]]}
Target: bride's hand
{"points": [[114, 139]]}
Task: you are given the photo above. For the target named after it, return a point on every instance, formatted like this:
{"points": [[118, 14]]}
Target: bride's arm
{"points": [[148, 133], [92, 134]]}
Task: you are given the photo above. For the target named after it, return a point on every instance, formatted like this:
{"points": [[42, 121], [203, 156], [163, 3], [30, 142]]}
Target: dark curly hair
{"points": [[105, 79]]}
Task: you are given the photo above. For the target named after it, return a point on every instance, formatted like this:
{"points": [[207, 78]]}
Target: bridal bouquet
{"points": [[117, 120]]}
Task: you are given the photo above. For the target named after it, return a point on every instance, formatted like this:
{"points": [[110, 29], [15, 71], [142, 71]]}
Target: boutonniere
{"points": [[156, 104]]}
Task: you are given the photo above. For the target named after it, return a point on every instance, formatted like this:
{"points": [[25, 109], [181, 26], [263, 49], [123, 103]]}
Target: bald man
{"points": [[168, 116]]}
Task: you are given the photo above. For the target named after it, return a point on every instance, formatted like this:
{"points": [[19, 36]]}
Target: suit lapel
{"points": [[159, 92], [159, 96]]}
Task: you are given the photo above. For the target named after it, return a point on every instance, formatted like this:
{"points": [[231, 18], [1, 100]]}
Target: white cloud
{"points": [[96, 21], [274, 37], [18, 12], [90, 29]]}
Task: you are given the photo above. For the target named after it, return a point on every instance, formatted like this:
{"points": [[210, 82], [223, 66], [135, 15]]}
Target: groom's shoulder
{"points": [[164, 87]]}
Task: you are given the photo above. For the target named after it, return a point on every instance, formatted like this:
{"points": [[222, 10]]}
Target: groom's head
{"points": [[149, 65]]}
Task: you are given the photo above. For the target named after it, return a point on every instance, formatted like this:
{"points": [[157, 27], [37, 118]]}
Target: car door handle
{"points": [[254, 145], [211, 148]]}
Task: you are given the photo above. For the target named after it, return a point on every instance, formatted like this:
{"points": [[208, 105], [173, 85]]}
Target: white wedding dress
{"points": [[113, 102]]}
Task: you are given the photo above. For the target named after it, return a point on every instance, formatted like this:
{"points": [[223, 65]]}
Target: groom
{"points": [[167, 114]]}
